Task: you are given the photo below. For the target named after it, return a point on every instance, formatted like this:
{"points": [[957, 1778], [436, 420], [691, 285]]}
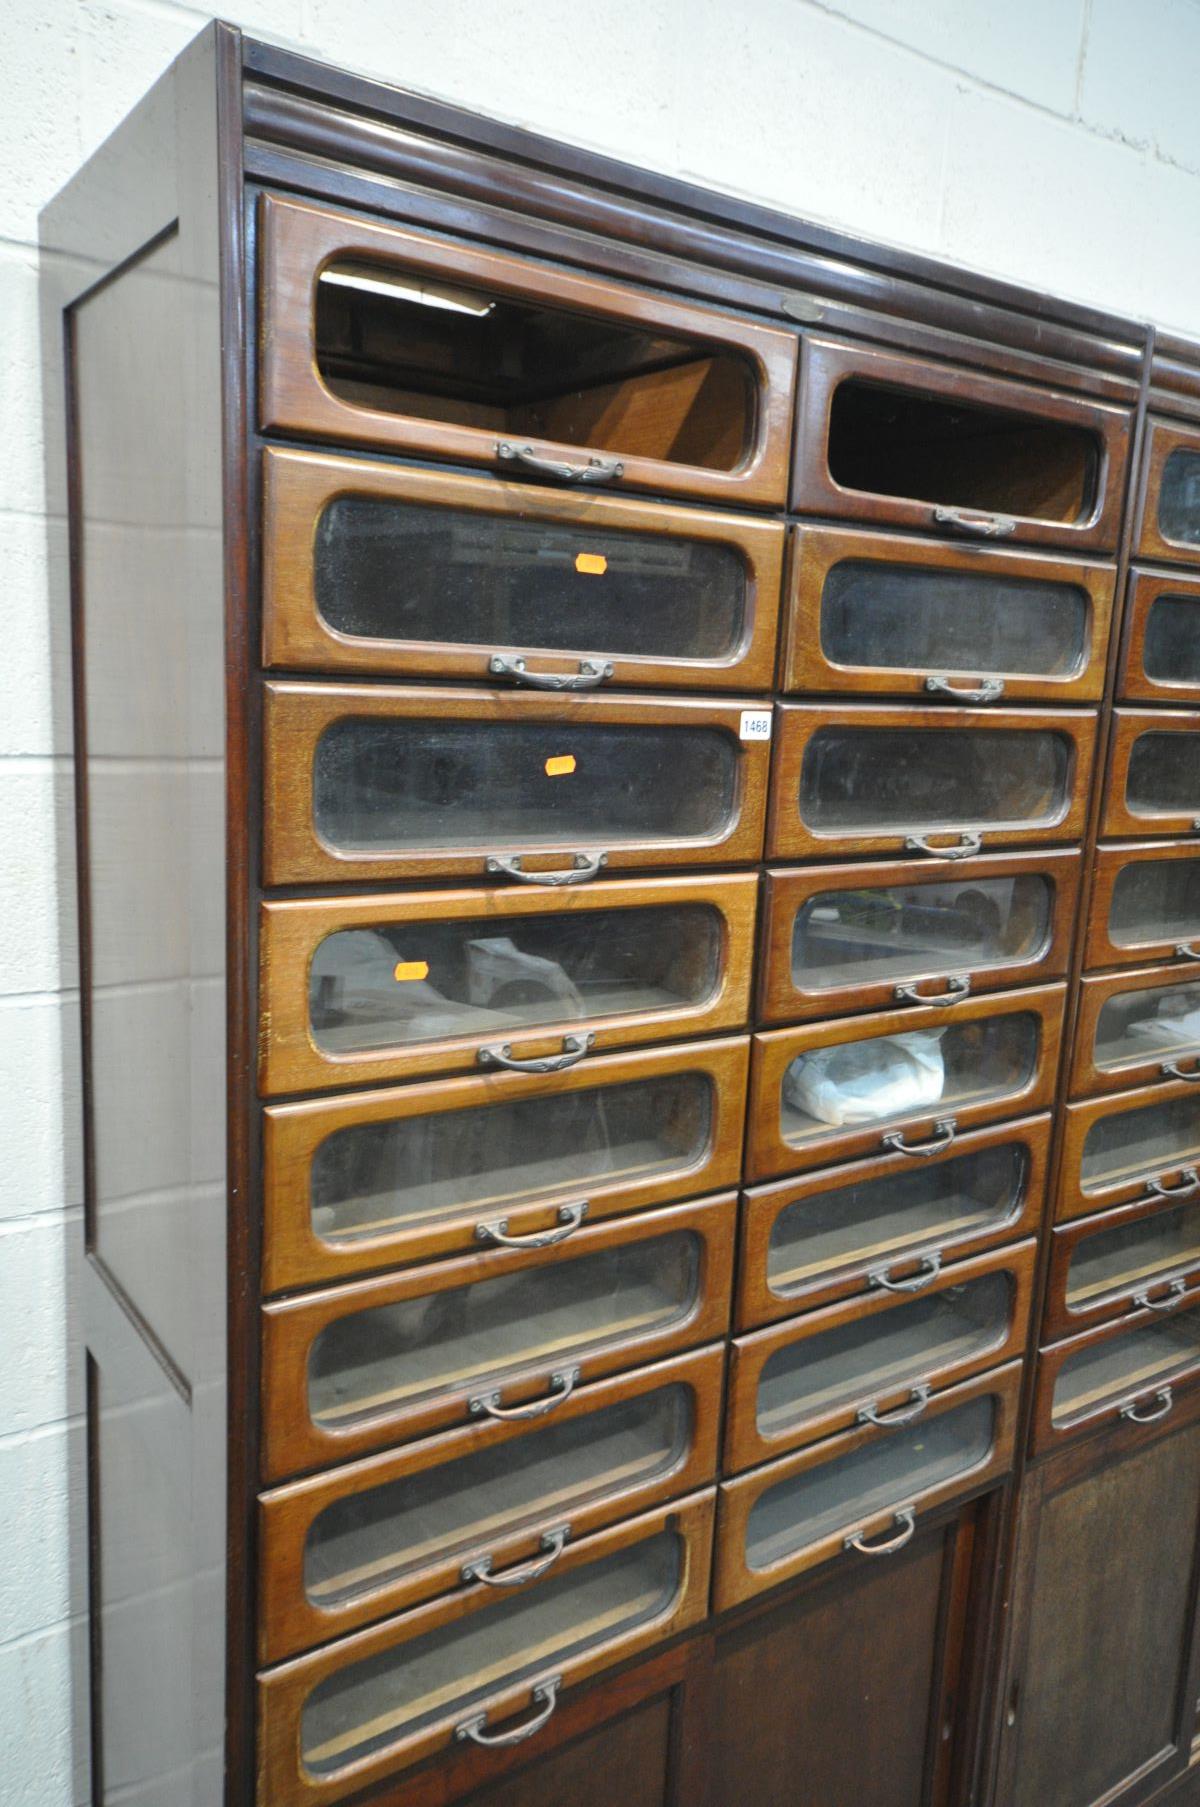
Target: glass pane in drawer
{"points": [[1121, 1367], [390, 782], [880, 1219], [372, 1179], [1171, 648], [887, 1077], [1155, 1138], [369, 1539], [901, 618], [389, 570], [1155, 900], [445, 1672], [416, 982], [901, 778], [896, 932], [1164, 774], [1159, 1022], [393, 1355], [889, 1472], [1179, 498], [1133, 1255], [876, 1355]]}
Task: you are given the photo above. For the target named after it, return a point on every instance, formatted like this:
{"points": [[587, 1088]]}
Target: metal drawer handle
{"points": [[569, 1216], [583, 866], [1168, 1300], [943, 1135], [1184, 952], [555, 1542], [1171, 1069], [905, 1517], [1189, 1182], [500, 1054], [968, 843], [1165, 1400], [931, 1267], [562, 1385], [987, 526], [596, 470], [958, 987], [591, 672], [870, 1413], [987, 692], [546, 1694]]}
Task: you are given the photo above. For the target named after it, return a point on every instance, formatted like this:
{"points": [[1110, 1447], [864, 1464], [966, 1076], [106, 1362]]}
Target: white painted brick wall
{"points": [[1053, 141]]}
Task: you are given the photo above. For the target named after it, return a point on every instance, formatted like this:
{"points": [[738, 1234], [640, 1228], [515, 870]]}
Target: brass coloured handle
{"points": [[987, 692], [884, 1421], [930, 1268], [591, 673], [1184, 952], [562, 1385], [596, 470], [569, 1217], [546, 1694], [905, 1517], [1165, 1400], [958, 987], [1189, 1182], [985, 526], [1168, 1299], [969, 842], [583, 867], [500, 1054], [480, 1569], [944, 1132], [1171, 1069]]}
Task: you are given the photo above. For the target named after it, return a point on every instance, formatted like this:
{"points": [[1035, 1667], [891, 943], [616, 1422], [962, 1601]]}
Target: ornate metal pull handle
{"points": [[987, 692], [1165, 1400], [1168, 1300], [562, 1385], [870, 1413], [1189, 1182], [500, 1054], [591, 672], [555, 1542], [958, 987], [1171, 1069], [944, 1132], [905, 1517], [1184, 952], [583, 866], [596, 470], [968, 843], [569, 1216], [931, 1267], [546, 1693], [986, 526]]}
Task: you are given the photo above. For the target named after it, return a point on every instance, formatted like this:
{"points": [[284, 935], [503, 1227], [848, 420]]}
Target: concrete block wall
{"points": [[1056, 142]]}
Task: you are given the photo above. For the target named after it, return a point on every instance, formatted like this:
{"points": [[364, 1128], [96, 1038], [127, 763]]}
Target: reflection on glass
{"points": [[1153, 1139], [1125, 1367], [1155, 900], [1157, 1022], [1179, 498], [1133, 1256], [1164, 774], [863, 779], [1171, 649]]}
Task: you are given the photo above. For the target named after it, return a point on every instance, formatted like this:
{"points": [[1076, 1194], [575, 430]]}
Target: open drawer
{"points": [[383, 568], [896, 440], [857, 1496], [454, 1671], [901, 1081], [1153, 780], [1134, 1027], [868, 778], [372, 1179], [503, 1334], [1139, 1257], [1141, 1370], [887, 1225], [1145, 904], [372, 782], [398, 339], [390, 986], [879, 613], [1142, 1145], [877, 1360], [1160, 651], [1171, 497]]}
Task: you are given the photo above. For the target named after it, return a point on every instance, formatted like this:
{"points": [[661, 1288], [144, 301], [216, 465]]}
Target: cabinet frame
{"points": [[1145, 589], [1088, 1080]]}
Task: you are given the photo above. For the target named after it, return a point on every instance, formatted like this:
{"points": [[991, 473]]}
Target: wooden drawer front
{"points": [[1142, 1145], [1171, 496], [862, 778], [383, 987], [885, 1226], [1143, 1256], [1145, 905], [857, 1494], [368, 782], [416, 573], [1134, 1027], [369, 1363], [371, 1538], [865, 937], [1142, 1369], [876, 613], [1153, 780], [996, 1057], [893, 440], [593, 382], [874, 1361], [334, 1721], [369, 1180], [1160, 654]]}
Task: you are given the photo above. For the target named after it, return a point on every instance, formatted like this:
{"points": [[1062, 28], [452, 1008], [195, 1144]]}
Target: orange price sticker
{"points": [[410, 969], [591, 564], [560, 765]]}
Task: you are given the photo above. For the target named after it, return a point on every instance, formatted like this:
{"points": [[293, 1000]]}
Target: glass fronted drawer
{"points": [[1142, 1145], [1160, 654], [1144, 1256], [1145, 905], [386, 986], [903, 1081], [371, 781], [371, 1179], [898, 441], [866, 778], [1171, 496], [456, 1671], [392, 338], [857, 1495], [1141, 1370], [1153, 780], [1134, 1027], [887, 1225], [874, 1361], [494, 1505], [510, 1333], [414, 573], [863, 937], [880, 613]]}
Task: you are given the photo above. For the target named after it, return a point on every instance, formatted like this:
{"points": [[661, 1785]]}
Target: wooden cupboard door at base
{"points": [[626, 1761]]}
